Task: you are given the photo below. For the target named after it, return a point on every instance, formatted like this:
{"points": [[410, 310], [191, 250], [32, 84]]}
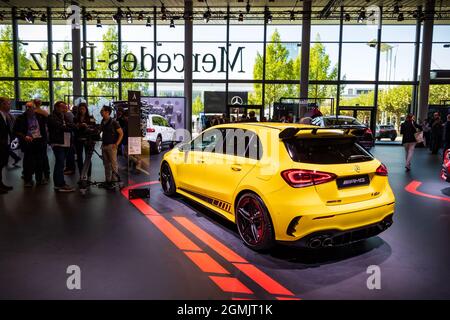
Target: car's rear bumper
{"points": [[336, 237]]}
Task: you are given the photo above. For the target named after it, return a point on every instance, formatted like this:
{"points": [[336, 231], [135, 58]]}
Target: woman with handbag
{"points": [[412, 135]]}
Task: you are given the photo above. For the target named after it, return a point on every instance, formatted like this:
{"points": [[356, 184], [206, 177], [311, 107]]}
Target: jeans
{"points": [[409, 151], [58, 171], [109, 154], [33, 160], [70, 158], [81, 146]]}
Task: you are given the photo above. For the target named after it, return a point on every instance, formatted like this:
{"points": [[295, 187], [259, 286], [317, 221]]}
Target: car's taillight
{"points": [[381, 170], [299, 178], [368, 131], [150, 130]]}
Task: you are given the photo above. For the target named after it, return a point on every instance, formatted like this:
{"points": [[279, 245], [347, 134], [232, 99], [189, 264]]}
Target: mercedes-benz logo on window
{"points": [[237, 100]]}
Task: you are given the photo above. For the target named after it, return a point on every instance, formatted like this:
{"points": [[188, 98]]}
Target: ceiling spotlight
{"points": [[268, 15], [164, 17], [29, 17], [140, 16], [118, 16], [362, 15], [44, 17], [347, 17], [241, 17], [149, 22], [396, 9], [99, 23], [172, 23], [447, 45], [163, 9], [207, 16], [129, 17], [400, 17], [88, 16], [247, 7], [292, 16]]}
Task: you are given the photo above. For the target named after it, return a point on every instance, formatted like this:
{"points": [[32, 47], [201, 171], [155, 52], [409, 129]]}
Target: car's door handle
{"points": [[236, 167]]}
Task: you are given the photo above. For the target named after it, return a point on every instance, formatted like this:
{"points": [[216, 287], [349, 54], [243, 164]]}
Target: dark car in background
{"points": [[362, 132], [386, 131]]}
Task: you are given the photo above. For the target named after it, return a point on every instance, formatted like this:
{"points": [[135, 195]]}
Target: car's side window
{"points": [[164, 122], [209, 141], [242, 143], [156, 121]]}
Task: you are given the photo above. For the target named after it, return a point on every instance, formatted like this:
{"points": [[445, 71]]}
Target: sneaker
{"points": [[68, 172], [28, 184], [5, 187], [43, 182], [65, 189]]}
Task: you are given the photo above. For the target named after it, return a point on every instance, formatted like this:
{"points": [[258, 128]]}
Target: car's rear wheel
{"points": [[393, 137], [254, 223], [156, 147], [167, 180]]}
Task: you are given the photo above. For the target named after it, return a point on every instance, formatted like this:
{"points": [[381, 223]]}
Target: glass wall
{"points": [[135, 56]]}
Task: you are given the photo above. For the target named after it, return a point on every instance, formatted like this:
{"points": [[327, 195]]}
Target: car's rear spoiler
{"points": [[290, 132]]}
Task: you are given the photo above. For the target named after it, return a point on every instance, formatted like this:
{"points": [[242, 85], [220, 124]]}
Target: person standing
{"points": [[60, 139], [408, 129], [447, 134], [12, 154], [5, 140], [111, 139], [30, 128], [436, 133], [82, 121], [70, 159], [38, 109]]}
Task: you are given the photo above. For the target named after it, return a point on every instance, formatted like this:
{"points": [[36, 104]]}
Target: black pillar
{"points": [[15, 34], [427, 44], [188, 62], [373, 114], [76, 61], [49, 57], [306, 43]]}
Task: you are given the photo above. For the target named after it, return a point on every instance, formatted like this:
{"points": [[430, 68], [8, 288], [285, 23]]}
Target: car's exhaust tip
{"points": [[327, 242], [315, 243]]}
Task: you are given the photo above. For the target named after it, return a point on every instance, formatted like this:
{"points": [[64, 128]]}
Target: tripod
{"points": [[85, 183]]}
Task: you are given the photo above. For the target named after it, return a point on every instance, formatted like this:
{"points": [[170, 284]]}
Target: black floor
{"points": [[123, 255]]}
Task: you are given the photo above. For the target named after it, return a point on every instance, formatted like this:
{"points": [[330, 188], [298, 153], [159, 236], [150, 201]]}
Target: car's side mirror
{"points": [[184, 147]]}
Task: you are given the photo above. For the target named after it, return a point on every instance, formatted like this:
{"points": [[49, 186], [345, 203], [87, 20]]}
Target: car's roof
{"points": [[269, 125]]}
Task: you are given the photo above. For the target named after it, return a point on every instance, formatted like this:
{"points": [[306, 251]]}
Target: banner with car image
{"points": [[171, 108]]}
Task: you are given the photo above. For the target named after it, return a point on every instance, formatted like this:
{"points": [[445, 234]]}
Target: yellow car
{"points": [[279, 182]]}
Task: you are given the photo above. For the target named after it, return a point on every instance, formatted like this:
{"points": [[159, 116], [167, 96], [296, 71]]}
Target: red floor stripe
{"points": [[206, 263], [173, 234], [232, 285], [263, 279], [144, 208], [217, 246], [412, 188]]}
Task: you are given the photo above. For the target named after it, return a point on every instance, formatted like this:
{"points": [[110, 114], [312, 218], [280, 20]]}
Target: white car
{"points": [[159, 133]]}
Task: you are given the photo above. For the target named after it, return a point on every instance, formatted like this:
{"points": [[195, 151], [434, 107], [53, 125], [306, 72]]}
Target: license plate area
{"points": [[353, 181]]}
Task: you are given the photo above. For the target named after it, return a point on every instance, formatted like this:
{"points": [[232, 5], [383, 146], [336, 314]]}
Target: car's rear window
{"points": [[341, 121], [326, 150]]}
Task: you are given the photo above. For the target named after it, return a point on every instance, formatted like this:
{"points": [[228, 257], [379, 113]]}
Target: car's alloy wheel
{"points": [[253, 222], [167, 181]]}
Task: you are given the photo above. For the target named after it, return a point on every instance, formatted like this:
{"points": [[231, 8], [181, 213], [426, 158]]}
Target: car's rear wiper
{"points": [[358, 157]]}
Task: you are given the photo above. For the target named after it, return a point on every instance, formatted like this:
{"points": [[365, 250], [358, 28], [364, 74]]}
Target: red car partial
{"points": [[445, 172]]}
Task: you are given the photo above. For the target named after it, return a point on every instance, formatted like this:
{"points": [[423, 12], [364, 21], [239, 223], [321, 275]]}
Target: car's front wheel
{"points": [[254, 223], [167, 180]]}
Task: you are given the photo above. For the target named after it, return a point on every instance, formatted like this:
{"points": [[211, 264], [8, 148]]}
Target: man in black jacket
{"points": [[31, 129], [59, 138], [408, 129], [5, 140]]}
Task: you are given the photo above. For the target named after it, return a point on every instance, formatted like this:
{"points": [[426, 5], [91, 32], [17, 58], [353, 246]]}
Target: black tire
{"points": [[393, 138], [378, 138], [254, 223], [156, 147], [167, 181]]}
